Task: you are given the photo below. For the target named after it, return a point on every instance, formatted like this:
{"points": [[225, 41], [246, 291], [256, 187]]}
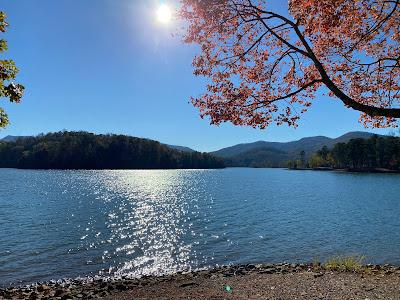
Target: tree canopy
{"points": [[265, 67], [376, 152], [83, 150], [8, 72]]}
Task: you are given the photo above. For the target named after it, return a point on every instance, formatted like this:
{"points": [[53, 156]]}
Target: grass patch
{"points": [[345, 263], [316, 264]]}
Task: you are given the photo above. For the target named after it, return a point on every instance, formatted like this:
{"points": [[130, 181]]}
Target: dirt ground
{"points": [[303, 285]]}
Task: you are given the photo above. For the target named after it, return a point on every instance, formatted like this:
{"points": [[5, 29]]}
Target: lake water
{"points": [[57, 224]]}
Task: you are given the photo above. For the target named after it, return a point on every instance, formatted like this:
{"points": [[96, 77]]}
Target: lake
{"points": [[65, 224]]}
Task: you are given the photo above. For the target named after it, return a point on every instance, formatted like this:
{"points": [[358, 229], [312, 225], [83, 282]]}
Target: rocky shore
{"points": [[261, 281]]}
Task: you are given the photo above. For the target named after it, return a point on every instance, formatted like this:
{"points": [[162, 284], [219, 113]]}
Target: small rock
{"points": [[316, 275], [110, 288], [213, 271], [389, 272], [58, 292], [259, 266], [240, 271], [120, 287], [267, 271], [103, 294], [42, 288], [189, 283]]}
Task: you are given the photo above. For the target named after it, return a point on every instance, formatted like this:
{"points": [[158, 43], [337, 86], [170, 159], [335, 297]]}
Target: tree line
{"points": [[83, 150], [377, 152]]}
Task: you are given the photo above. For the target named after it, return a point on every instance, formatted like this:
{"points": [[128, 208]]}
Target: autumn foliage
{"points": [[8, 72], [266, 67]]}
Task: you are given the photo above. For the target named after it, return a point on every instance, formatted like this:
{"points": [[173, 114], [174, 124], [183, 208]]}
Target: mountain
{"points": [[11, 138], [180, 148], [84, 150], [275, 154], [258, 158]]}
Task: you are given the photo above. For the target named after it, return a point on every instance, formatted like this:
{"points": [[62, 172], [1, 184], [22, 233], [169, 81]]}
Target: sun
{"points": [[164, 14]]}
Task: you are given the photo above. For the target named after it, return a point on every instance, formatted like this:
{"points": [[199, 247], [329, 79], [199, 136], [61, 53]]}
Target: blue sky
{"points": [[107, 66]]}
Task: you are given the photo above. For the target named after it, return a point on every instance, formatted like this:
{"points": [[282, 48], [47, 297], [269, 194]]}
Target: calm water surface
{"points": [[57, 224]]}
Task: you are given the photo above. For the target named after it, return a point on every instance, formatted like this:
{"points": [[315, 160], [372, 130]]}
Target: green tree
{"points": [[323, 153], [317, 161], [340, 155], [292, 164], [8, 72], [303, 158]]}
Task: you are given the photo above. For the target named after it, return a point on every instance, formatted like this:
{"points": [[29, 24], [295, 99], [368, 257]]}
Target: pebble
{"points": [[186, 284], [316, 275], [268, 271]]}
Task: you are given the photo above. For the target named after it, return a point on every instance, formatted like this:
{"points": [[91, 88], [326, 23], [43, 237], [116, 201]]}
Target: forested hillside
{"points": [[377, 152], [83, 150], [274, 154]]}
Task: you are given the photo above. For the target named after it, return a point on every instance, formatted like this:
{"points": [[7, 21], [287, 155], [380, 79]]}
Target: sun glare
{"points": [[164, 14]]}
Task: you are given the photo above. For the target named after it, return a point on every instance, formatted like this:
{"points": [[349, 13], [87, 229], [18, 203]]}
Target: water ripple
{"points": [[56, 224]]}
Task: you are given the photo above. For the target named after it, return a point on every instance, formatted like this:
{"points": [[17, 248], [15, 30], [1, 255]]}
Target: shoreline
{"points": [[365, 171], [223, 281]]}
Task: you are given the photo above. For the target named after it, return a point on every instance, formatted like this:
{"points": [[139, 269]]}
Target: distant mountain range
{"points": [[275, 154], [11, 138], [180, 148], [267, 154]]}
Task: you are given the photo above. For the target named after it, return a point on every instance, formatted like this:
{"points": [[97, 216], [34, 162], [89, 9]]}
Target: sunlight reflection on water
{"points": [[149, 220]]}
